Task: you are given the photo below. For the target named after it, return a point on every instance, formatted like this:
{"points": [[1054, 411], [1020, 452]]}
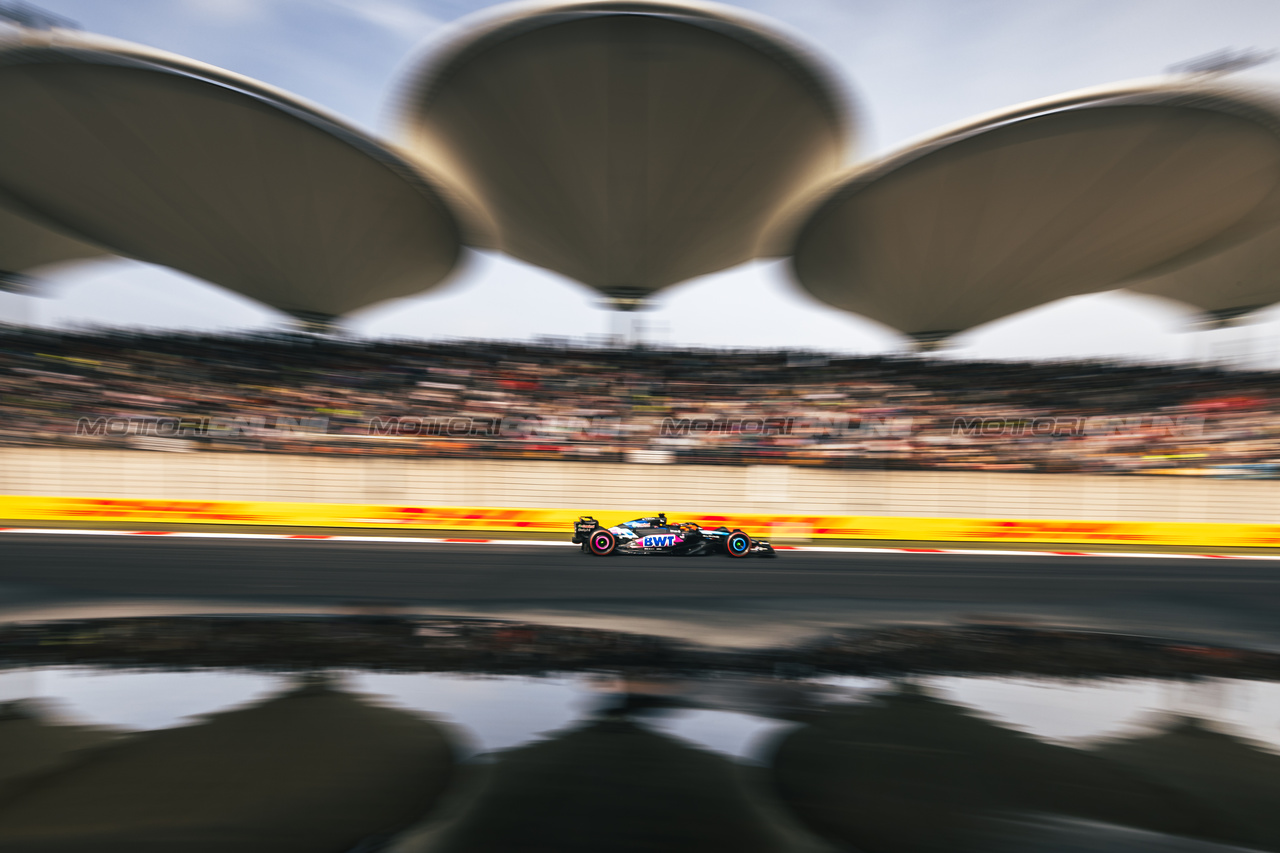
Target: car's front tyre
{"points": [[738, 544]]}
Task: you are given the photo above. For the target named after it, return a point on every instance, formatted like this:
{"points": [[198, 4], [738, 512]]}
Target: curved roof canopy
{"points": [[628, 145], [631, 145], [1046, 200], [173, 162], [26, 245], [1227, 284]]}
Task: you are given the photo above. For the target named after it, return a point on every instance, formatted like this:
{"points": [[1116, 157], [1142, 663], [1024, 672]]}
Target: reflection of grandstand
{"points": [[311, 769], [317, 768], [301, 395]]}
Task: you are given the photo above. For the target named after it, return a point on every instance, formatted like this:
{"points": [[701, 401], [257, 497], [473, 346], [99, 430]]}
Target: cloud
{"points": [[404, 20], [229, 12]]}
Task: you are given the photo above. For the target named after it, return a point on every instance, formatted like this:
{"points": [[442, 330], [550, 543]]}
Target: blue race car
{"points": [[655, 535]]}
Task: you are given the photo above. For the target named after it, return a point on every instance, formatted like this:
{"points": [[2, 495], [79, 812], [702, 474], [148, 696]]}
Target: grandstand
{"points": [[307, 394]]}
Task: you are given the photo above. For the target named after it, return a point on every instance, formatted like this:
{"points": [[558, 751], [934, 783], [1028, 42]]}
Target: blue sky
{"points": [[910, 66]]}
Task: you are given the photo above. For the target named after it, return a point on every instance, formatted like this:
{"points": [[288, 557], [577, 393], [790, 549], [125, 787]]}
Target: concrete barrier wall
{"points": [[617, 486]]}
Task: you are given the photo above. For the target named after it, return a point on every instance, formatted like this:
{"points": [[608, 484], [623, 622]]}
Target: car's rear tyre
{"points": [[602, 543], [738, 544]]}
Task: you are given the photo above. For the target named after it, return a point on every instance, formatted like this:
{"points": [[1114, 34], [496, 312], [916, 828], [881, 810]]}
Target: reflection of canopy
{"points": [[1238, 779], [33, 743], [180, 164], [312, 770], [914, 773], [1066, 196], [612, 785], [629, 145]]}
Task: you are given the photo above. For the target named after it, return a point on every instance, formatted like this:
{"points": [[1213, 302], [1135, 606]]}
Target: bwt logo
{"points": [[1181, 425], [663, 541], [200, 427]]}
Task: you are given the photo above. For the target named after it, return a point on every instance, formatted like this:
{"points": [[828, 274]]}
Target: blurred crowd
{"points": [[307, 394]]}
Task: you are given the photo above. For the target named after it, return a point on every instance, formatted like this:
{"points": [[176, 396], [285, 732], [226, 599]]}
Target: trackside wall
{"points": [[606, 487]]}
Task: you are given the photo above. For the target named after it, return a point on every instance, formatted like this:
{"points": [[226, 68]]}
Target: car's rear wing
{"points": [[583, 527]]}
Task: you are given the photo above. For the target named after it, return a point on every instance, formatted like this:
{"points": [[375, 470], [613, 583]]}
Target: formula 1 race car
{"points": [[655, 535]]}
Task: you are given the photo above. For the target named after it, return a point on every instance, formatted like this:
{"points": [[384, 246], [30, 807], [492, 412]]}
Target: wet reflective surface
{"points": [[383, 731]]}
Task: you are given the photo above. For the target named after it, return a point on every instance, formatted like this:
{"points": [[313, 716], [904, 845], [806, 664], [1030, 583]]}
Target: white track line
{"points": [[462, 540], [185, 534]]}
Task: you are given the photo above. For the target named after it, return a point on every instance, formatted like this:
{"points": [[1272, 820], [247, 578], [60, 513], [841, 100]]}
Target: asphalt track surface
{"points": [[60, 568]]}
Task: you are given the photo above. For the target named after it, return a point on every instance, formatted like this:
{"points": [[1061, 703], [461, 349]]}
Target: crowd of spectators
{"points": [[308, 394]]}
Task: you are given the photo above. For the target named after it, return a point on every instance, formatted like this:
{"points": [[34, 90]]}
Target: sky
{"points": [[909, 66]]}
